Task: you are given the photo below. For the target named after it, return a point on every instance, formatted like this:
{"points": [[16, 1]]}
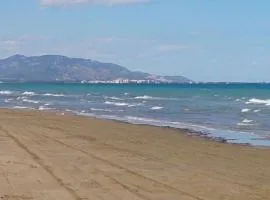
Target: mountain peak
{"points": [[17, 56]]}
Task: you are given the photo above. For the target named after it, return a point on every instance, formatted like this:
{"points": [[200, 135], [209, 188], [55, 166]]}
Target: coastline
{"points": [[47, 156]]}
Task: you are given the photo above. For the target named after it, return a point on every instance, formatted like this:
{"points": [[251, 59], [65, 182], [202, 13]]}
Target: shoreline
{"points": [[44, 155], [186, 131]]}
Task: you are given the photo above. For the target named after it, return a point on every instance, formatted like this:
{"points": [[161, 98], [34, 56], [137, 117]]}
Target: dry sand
{"points": [[45, 156]]}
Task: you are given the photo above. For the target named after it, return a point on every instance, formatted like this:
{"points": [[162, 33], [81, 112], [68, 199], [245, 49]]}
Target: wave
{"points": [[23, 107], [26, 93], [156, 108], [244, 110], [113, 98], [246, 122], [146, 97], [116, 103], [30, 101], [20, 98], [8, 100], [100, 109], [53, 95], [121, 104], [44, 108], [6, 92], [256, 111], [259, 101]]}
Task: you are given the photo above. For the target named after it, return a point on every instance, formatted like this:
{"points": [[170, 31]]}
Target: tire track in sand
{"points": [[41, 163]]}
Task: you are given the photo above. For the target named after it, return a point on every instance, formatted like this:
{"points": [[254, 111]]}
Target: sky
{"points": [[204, 40]]}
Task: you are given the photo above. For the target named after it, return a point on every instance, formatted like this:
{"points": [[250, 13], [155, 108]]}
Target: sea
{"points": [[236, 112]]}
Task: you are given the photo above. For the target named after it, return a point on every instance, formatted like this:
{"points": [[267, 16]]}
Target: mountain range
{"points": [[57, 68]]}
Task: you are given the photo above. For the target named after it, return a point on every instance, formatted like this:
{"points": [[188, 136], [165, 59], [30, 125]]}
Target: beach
{"points": [[47, 155]]}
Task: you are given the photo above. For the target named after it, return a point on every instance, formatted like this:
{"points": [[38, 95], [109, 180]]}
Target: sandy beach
{"points": [[47, 156]]}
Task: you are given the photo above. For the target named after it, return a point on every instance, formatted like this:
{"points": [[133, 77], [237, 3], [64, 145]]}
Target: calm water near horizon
{"points": [[239, 113]]}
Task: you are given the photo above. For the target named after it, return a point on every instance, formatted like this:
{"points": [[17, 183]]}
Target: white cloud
{"points": [[73, 2]]}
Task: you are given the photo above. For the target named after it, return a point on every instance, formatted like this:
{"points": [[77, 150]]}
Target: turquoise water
{"points": [[239, 113]]}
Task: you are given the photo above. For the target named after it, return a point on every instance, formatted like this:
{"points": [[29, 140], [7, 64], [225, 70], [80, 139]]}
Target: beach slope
{"points": [[50, 157]]}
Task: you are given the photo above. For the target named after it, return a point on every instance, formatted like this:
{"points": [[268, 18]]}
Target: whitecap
{"points": [[6, 92], [23, 107], [244, 124], [115, 103], [247, 121], [121, 104], [20, 98], [146, 97], [258, 110], [53, 95], [245, 110], [100, 109], [8, 100], [114, 98], [259, 101], [156, 108], [26, 93], [30, 101], [44, 108]]}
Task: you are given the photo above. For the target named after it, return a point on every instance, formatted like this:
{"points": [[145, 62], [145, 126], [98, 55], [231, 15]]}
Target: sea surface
{"points": [[239, 113]]}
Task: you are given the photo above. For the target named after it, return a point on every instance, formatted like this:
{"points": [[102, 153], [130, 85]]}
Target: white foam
{"points": [[53, 95], [258, 110], [116, 103], [114, 98], [8, 100], [247, 121], [121, 104], [100, 109], [30, 101], [22, 107], [259, 101], [245, 110], [238, 100], [244, 124], [156, 108], [44, 108], [146, 97], [6, 92], [20, 98], [26, 93]]}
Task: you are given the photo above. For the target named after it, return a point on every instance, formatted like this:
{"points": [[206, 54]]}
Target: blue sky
{"points": [[205, 40]]}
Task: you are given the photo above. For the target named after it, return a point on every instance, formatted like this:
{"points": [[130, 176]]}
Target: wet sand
{"points": [[46, 156]]}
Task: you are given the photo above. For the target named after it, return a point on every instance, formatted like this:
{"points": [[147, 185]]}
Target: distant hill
{"points": [[53, 68]]}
